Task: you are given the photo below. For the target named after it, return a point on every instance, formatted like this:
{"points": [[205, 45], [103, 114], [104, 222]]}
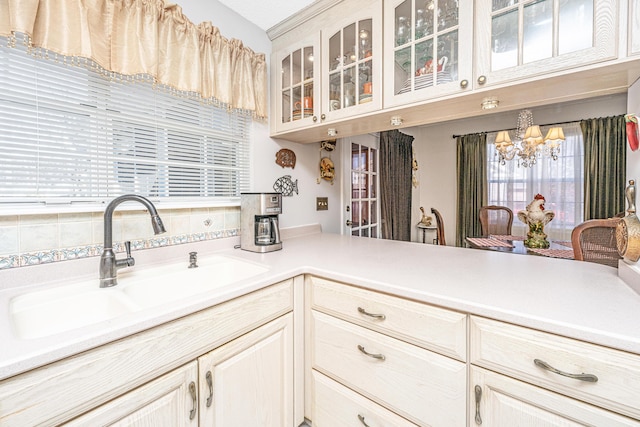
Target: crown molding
{"points": [[301, 17]]}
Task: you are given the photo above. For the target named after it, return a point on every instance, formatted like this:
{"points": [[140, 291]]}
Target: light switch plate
{"points": [[322, 203]]}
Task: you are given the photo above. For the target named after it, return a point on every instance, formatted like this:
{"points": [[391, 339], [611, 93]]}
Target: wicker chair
{"points": [[439, 228], [496, 220], [595, 241]]}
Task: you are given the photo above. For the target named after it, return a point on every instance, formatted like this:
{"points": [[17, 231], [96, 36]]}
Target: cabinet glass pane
{"points": [[403, 66], [286, 72], [447, 59], [425, 65], [296, 98], [365, 34], [504, 40], [402, 28], [308, 62], [424, 14], [335, 90], [296, 68], [447, 14], [501, 4], [286, 106], [365, 82], [349, 44], [635, 25], [349, 87], [575, 25], [538, 31]]}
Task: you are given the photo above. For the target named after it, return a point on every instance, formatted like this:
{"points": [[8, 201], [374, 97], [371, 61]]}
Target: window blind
{"points": [[74, 133]]}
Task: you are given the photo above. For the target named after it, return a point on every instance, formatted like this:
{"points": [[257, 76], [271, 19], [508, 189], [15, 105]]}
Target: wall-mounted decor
{"points": [[286, 158], [286, 186], [327, 168]]}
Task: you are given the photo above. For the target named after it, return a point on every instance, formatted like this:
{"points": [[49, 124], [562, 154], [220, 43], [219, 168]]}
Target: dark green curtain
{"points": [[395, 184], [471, 164], [605, 160]]}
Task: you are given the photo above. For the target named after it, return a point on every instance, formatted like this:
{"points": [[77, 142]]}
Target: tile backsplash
{"points": [[38, 239]]}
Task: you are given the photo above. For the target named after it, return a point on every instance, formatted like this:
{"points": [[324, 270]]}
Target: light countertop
{"points": [[580, 300]]}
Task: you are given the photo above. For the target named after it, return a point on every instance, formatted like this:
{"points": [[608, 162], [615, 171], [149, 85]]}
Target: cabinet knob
{"points": [[482, 80], [315, 119], [323, 116], [464, 83]]}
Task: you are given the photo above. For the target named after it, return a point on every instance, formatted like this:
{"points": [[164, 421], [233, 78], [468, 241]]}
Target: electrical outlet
{"points": [[322, 203]]}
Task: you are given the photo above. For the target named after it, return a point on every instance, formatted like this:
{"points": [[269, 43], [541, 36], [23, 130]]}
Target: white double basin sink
{"points": [[62, 308]]}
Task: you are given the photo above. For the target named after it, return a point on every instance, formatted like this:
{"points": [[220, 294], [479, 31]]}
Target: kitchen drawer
{"points": [[334, 405], [505, 402], [420, 385], [512, 350], [443, 331]]}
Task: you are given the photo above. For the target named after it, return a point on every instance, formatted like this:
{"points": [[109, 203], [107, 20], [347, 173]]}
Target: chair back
{"points": [[595, 241], [439, 227], [496, 220]]}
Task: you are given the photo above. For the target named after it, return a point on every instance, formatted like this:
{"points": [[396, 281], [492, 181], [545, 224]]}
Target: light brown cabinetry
{"points": [[330, 69], [592, 382], [63, 390], [364, 341]]}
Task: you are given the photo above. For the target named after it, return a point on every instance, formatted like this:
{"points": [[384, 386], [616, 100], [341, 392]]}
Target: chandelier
{"points": [[529, 144]]}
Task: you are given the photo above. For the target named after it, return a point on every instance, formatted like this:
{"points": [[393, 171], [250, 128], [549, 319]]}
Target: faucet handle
{"points": [[130, 260]]}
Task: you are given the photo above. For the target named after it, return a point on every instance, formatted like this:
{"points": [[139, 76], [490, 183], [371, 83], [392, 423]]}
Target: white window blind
{"points": [[70, 134]]}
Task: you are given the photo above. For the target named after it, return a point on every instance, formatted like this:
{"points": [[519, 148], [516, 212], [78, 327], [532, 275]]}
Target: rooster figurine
{"points": [[535, 216]]}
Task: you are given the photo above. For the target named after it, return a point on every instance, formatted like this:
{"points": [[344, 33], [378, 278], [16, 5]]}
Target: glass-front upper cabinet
{"points": [[298, 85], [352, 70], [428, 49], [516, 39]]}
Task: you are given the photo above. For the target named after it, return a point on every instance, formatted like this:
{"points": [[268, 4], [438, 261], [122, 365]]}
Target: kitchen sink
{"points": [[62, 308]]}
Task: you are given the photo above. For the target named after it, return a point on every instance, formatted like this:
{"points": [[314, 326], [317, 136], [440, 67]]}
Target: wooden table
{"points": [[515, 245]]}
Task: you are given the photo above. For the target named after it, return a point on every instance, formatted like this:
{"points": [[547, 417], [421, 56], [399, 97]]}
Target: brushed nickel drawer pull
{"points": [[361, 418], [375, 316], [582, 377], [478, 391], [194, 398], [210, 385], [374, 355]]}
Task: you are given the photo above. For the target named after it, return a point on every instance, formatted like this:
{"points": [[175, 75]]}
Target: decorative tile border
{"points": [[65, 254]]}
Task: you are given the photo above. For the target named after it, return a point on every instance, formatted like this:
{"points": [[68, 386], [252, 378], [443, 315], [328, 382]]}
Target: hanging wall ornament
{"points": [[286, 158], [286, 186], [327, 168], [414, 170]]}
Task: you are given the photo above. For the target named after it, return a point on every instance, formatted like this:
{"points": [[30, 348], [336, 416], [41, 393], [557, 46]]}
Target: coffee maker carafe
{"points": [[259, 221]]}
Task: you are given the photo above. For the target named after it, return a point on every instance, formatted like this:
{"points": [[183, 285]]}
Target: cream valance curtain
{"points": [[145, 37]]}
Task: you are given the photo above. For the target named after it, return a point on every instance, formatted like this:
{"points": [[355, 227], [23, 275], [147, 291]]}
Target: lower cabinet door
{"points": [[500, 401], [249, 381], [334, 405], [168, 401]]}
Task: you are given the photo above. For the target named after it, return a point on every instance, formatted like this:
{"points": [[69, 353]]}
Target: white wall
{"points": [[436, 150], [298, 209], [633, 107]]}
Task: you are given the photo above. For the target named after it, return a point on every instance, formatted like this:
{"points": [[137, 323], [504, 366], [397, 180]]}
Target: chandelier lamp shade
{"points": [[529, 144]]}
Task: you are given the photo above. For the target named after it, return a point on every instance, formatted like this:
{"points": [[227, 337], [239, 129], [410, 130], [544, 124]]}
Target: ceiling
{"points": [[266, 13]]}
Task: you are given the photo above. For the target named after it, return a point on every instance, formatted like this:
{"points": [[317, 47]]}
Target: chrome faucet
{"points": [[109, 265]]}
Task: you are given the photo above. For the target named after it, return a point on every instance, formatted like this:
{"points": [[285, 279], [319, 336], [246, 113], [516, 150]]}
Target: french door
{"points": [[362, 207]]}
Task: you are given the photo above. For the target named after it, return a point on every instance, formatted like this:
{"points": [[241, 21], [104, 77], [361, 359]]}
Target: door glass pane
{"points": [[504, 40], [364, 215], [373, 161], [355, 157], [374, 212], [355, 213], [538, 31], [372, 187], [575, 25]]}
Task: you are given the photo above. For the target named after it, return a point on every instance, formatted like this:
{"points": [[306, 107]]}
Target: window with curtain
{"points": [[560, 181], [75, 134]]}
